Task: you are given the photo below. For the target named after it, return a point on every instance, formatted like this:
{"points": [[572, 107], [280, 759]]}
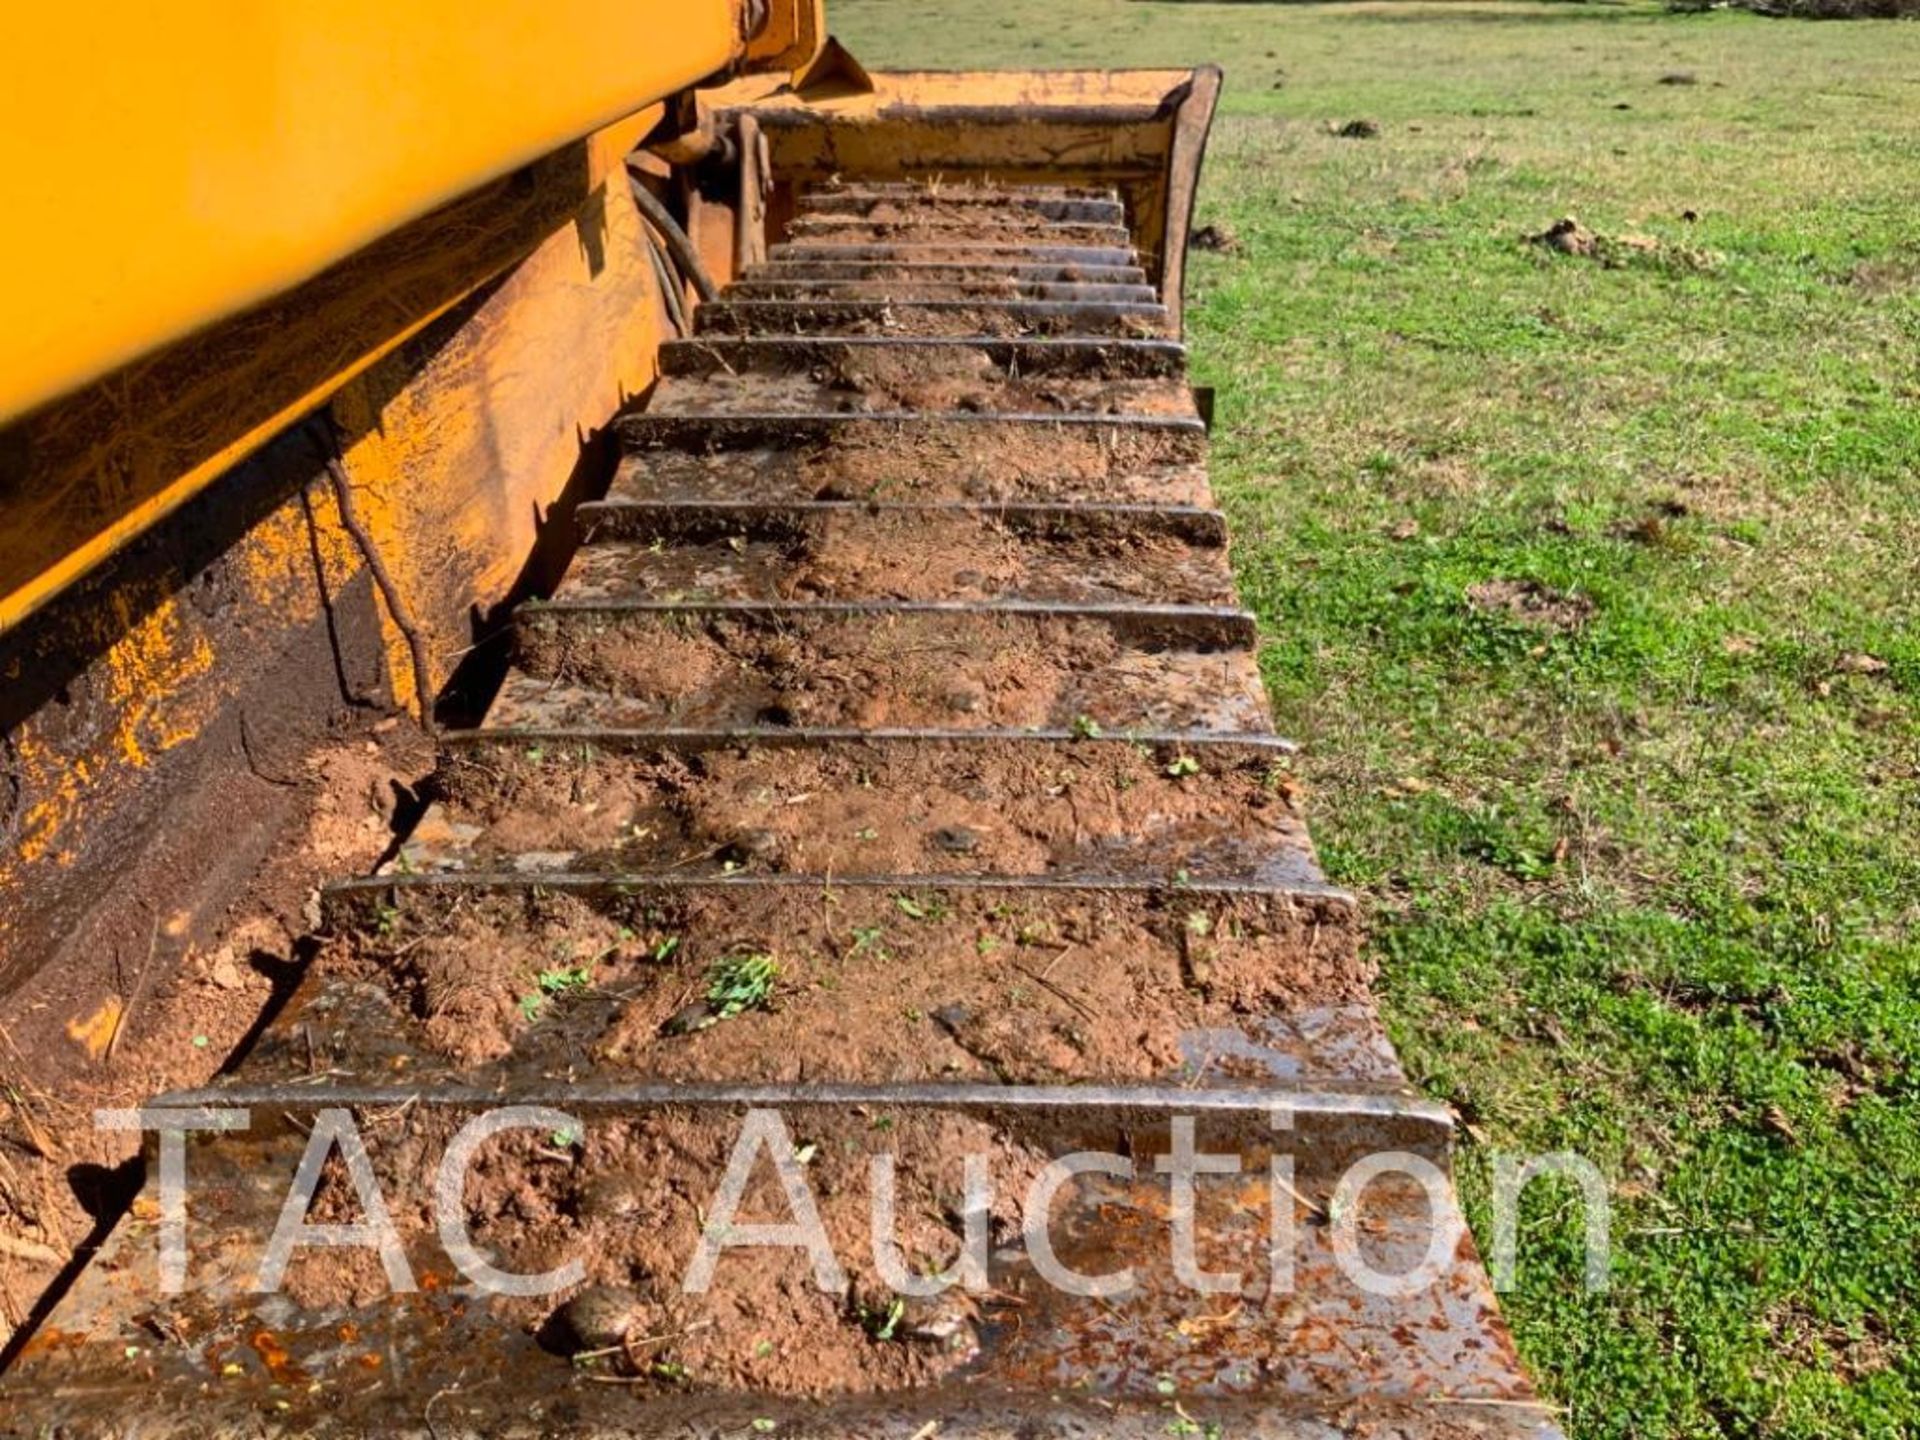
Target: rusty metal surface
{"points": [[780, 474], [902, 386], [756, 563], [988, 202], [668, 428], [1329, 1071], [971, 254], [1193, 122], [1146, 684], [828, 230], [1032, 357], [589, 882], [700, 521], [1121, 319], [1216, 626], [966, 191], [948, 270], [1134, 135], [1237, 840], [918, 289], [520, 718], [219, 1362], [548, 708]]}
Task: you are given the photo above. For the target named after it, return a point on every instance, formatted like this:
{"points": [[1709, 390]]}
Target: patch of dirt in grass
{"points": [[1807, 1340], [1889, 275], [1858, 663], [1655, 528], [1218, 239], [1567, 236], [1531, 603], [1443, 476]]}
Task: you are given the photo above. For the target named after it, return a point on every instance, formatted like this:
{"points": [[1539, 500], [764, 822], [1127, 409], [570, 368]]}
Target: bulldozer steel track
{"points": [[904, 654]]}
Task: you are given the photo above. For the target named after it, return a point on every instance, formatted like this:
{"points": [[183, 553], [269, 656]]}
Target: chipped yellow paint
{"points": [[274, 563], [95, 1032], [148, 674], [60, 782], [145, 672]]}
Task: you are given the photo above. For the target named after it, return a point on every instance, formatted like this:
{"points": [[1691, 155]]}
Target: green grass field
{"points": [[1589, 591]]}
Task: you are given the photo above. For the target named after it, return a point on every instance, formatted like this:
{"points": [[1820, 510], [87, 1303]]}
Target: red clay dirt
{"points": [[890, 984], [998, 807], [628, 1198], [910, 555], [917, 668], [55, 1166], [931, 463], [892, 381], [931, 318]]}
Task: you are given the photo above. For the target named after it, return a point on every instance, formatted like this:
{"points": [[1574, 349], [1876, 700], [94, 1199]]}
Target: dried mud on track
{"points": [[898, 984], [57, 1171], [946, 807], [932, 461], [932, 318], [926, 669], [1005, 279], [892, 382], [968, 228], [896, 359], [964, 209], [628, 1202], [978, 555], [935, 832]]}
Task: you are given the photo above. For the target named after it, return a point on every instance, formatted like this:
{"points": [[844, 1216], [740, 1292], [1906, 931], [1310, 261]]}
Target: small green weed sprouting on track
{"points": [[740, 983]]}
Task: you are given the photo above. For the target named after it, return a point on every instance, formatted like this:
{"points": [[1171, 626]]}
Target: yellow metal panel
{"points": [[1142, 91], [792, 35], [248, 146], [89, 471]]}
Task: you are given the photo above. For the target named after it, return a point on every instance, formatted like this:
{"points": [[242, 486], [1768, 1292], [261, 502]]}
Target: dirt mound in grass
{"points": [[1531, 603], [1567, 236]]}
